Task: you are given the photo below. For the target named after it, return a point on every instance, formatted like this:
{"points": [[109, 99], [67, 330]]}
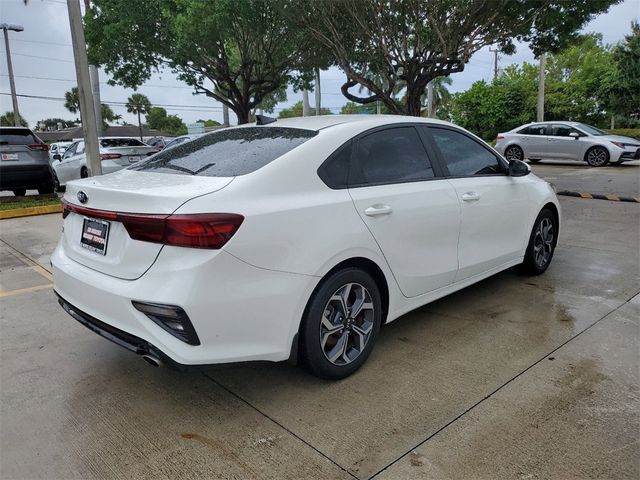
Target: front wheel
{"points": [[341, 324], [597, 156], [542, 244]]}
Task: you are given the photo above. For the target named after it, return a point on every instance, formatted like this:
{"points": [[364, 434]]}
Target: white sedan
{"points": [[115, 154], [294, 239]]}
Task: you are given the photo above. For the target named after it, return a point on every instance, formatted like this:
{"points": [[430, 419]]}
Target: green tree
{"points": [[623, 81], [235, 51], [350, 108], [7, 120], [415, 41], [52, 123], [210, 123], [138, 104], [72, 103], [158, 119], [108, 115], [296, 111]]}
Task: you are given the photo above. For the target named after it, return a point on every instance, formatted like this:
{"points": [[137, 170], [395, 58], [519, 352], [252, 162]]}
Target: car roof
{"points": [[321, 122]]}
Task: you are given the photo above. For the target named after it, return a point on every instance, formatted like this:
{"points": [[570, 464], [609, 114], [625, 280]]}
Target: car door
{"points": [[562, 145], [409, 208], [493, 225], [534, 141], [63, 167]]}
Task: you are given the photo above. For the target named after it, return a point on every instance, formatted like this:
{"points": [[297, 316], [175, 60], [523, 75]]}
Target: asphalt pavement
{"points": [[515, 377]]}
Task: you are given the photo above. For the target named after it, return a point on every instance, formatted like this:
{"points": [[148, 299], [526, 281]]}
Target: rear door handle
{"points": [[378, 209], [470, 197]]}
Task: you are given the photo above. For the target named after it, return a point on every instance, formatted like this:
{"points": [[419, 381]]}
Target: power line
{"points": [[41, 58], [102, 83], [42, 42]]}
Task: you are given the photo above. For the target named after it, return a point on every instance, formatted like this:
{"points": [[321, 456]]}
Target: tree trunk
{"points": [[140, 126], [243, 113]]}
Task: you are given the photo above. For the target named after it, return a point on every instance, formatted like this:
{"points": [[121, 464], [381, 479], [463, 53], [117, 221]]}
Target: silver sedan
{"points": [[566, 141]]}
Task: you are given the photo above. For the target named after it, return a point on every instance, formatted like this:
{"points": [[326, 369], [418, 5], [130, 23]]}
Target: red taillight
{"points": [[500, 137], [200, 230], [109, 156], [39, 146]]}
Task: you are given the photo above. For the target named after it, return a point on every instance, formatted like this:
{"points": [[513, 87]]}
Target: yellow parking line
{"points": [[19, 291]]}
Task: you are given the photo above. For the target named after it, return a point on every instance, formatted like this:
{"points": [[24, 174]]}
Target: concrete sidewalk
{"points": [[515, 377]]}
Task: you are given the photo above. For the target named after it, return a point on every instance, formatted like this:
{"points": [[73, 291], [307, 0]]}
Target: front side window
{"points": [[226, 153], [393, 155], [80, 148], [464, 156], [70, 151], [562, 130], [592, 130]]}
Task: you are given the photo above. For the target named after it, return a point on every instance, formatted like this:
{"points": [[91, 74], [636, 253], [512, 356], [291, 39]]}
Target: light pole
{"points": [[16, 28]]}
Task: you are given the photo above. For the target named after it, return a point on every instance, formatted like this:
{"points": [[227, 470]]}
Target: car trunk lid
{"points": [[102, 243]]}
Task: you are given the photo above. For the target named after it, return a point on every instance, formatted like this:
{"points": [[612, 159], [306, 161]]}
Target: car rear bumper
{"points": [[240, 312], [25, 176]]}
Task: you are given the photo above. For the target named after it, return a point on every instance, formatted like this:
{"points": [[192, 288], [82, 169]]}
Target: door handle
{"points": [[378, 209], [470, 197]]}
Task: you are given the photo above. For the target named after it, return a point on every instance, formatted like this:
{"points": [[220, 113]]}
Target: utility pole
{"points": [[430, 99], [95, 83], [305, 103], [540, 110], [495, 62], [89, 123], [14, 98], [318, 97]]}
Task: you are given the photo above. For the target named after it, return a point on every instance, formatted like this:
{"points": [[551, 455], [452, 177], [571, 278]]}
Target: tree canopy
{"points": [[235, 51], [7, 120], [158, 119], [415, 41], [296, 111]]}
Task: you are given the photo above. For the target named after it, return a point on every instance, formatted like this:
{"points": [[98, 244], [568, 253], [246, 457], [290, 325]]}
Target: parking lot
{"points": [[514, 377]]}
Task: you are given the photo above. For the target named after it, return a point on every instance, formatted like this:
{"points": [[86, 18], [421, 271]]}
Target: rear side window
{"points": [[227, 153], [17, 136], [464, 156], [394, 155], [120, 142], [533, 130], [335, 170]]}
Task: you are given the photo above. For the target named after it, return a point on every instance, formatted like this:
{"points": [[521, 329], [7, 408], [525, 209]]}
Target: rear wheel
{"points": [[542, 244], [341, 324], [46, 189], [20, 192], [514, 152], [597, 156]]}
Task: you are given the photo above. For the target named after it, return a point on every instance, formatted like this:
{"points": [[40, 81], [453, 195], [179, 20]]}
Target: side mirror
{"points": [[57, 157], [518, 168], [575, 135]]}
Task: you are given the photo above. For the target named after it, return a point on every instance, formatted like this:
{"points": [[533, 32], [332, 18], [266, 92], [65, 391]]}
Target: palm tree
{"points": [[139, 104], [72, 101], [441, 95]]}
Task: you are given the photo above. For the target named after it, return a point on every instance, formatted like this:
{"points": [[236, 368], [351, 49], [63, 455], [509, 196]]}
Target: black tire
{"points": [[353, 338], [56, 183], [597, 156], [46, 189], [536, 262], [20, 192], [513, 152], [84, 173]]}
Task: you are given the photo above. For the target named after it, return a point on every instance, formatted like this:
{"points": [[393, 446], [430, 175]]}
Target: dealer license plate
{"points": [[95, 234]]}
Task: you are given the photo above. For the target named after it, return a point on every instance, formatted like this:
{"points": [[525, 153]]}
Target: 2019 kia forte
{"points": [[294, 239]]}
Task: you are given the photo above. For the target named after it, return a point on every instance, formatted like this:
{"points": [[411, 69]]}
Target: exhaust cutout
{"points": [[152, 360]]}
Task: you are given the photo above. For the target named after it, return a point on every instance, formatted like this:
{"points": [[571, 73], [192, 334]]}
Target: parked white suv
{"points": [[566, 141]]}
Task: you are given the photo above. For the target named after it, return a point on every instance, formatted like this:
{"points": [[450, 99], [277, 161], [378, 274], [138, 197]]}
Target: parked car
{"points": [[182, 139], [159, 143], [24, 162], [295, 239], [57, 148], [115, 154], [566, 141]]}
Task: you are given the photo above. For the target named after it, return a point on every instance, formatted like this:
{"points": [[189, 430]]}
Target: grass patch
{"points": [[10, 203]]}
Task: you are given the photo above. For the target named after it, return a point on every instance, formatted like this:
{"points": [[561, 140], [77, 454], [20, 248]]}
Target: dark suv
{"points": [[24, 162]]}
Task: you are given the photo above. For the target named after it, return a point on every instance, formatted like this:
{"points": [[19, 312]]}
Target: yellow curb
{"points": [[29, 211]]}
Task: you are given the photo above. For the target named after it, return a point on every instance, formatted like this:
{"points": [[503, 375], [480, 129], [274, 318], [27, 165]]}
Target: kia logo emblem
{"points": [[82, 197]]}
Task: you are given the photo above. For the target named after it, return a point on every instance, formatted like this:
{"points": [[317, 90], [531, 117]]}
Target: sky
{"points": [[43, 66]]}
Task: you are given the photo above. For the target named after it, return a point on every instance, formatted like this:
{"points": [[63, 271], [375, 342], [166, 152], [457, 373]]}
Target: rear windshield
{"points": [[227, 153], [17, 136], [120, 142]]}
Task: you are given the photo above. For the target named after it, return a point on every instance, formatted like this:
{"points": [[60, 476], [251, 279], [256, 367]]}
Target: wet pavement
{"points": [[514, 377]]}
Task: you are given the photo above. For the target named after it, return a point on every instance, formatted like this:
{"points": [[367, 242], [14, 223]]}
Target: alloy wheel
{"points": [[513, 153], [347, 324], [597, 157], [543, 243]]}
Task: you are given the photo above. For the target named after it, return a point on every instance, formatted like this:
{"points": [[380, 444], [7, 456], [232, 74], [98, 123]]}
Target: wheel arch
{"points": [[553, 208]]}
